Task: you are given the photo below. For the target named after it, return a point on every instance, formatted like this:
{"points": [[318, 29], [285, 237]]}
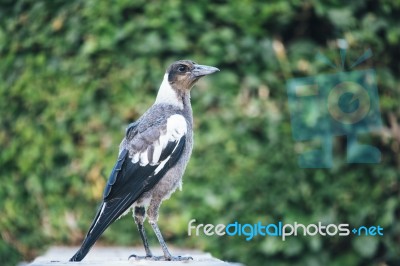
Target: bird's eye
{"points": [[182, 68]]}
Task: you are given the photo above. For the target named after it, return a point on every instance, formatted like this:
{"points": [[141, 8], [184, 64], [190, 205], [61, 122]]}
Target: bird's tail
{"points": [[84, 249], [107, 213], [95, 230]]}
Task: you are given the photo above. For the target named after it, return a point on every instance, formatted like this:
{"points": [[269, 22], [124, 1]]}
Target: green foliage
{"points": [[75, 73]]}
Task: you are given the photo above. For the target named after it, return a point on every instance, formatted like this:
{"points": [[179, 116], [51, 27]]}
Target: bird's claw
{"points": [[180, 258], [160, 258], [136, 257]]}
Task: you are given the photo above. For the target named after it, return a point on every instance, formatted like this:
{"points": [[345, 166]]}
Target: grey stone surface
{"points": [[118, 256]]}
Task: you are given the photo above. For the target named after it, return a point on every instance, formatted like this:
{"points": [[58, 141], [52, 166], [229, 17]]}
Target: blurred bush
{"points": [[75, 73]]}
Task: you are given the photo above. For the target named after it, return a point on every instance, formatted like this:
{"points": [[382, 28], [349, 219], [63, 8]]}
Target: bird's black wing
{"points": [[129, 179]]}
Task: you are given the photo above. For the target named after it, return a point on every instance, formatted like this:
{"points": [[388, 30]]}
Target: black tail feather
{"points": [[107, 213], [83, 251]]}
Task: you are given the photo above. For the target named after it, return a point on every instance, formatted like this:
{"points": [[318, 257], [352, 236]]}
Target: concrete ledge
{"points": [[118, 256]]}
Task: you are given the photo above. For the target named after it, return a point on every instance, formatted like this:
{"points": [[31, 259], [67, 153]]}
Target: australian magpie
{"points": [[152, 159]]}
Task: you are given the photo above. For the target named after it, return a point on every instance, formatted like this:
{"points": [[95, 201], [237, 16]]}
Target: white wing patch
{"points": [[157, 152], [176, 128]]}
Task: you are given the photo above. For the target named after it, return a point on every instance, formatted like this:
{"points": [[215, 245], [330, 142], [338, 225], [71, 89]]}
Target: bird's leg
{"points": [[160, 238], [139, 219], [153, 216]]}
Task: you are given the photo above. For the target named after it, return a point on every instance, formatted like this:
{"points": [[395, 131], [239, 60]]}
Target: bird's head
{"points": [[179, 79], [183, 74]]}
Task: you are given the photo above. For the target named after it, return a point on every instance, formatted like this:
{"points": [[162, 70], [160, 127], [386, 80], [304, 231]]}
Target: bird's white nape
{"points": [[167, 95]]}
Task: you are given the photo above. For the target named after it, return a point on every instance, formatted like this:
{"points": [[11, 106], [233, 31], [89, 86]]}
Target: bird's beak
{"points": [[201, 70]]}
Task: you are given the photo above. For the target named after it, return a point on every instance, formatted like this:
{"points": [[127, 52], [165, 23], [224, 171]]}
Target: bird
{"points": [[152, 159]]}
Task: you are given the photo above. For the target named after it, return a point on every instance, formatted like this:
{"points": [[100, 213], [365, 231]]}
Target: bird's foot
{"points": [[136, 257], [178, 258], [160, 258]]}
